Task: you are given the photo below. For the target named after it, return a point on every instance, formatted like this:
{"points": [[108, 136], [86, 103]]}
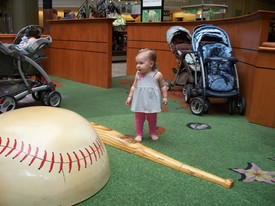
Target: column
{"points": [[24, 12], [47, 15]]}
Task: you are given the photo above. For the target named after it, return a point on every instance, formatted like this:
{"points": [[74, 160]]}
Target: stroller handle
{"points": [[13, 53]]}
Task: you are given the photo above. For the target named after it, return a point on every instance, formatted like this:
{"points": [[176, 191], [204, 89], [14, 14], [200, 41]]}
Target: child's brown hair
{"points": [[151, 56]]}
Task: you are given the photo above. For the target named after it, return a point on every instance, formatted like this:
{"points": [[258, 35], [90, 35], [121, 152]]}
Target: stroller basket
{"points": [[14, 86], [9, 67]]}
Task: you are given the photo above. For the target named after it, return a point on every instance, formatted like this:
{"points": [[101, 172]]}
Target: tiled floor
{"points": [[118, 69]]}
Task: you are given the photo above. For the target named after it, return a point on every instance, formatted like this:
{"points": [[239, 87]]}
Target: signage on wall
{"points": [[151, 15], [152, 10], [152, 3]]}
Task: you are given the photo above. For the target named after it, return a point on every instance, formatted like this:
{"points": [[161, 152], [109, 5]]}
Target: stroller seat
{"points": [[182, 49], [34, 50], [218, 61]]}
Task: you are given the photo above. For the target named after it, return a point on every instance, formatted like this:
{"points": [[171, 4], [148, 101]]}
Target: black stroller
{"points": [[218, 74], [179, 41], [21, 74]]}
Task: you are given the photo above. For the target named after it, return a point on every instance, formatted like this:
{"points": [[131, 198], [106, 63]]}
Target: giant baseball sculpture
{"points": [[49, 156], [120, 141]]}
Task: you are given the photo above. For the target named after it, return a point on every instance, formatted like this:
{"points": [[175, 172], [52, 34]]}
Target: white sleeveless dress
{"points": [[146, 97]]}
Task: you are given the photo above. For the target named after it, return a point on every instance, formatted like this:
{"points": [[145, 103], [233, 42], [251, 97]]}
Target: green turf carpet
{"points": [[230, 143]]}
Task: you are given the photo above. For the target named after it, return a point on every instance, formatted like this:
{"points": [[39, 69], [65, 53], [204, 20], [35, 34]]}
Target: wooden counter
{"points": [[249, 39], [81, 51], [7, 38]]}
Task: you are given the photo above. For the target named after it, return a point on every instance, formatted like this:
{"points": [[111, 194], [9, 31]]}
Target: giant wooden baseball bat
{"points": [[120, 141]]}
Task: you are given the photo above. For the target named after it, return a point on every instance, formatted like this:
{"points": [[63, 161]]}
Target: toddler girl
{"points": [[144, 96]]}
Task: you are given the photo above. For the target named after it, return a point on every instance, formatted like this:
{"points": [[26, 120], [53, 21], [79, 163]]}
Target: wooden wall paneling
{"points": [[82, 50], [169, 63], [263, 97], [151, 35], [242, 33], [246, 69], [164, 66], [246, 75], [265, 59], [7, 38], [130, 63]]}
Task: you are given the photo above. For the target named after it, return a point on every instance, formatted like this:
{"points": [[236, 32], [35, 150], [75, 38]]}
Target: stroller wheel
{"points": [[54, 99], [187, 93], [36, 96], [7, 103], [230, 105], [197, 106], [207, 105], [241, 105], [45, 97]]}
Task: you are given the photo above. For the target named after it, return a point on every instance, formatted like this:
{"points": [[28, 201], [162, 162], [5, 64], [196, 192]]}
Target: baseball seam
{"points": [[79, 159]]}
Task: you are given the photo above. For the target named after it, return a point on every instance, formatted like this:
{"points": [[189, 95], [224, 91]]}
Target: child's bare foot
{"points": [[154, 137], [138, 138]]}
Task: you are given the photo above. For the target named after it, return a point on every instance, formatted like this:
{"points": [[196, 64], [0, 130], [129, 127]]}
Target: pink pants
{"points": [[139, 122]]}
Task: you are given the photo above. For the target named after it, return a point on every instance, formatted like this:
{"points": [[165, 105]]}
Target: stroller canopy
{"points": [[175, 30], [206, 32]]}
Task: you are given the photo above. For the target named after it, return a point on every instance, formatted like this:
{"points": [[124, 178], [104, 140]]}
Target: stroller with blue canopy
{"points": [[218, 72], [21, 73]]}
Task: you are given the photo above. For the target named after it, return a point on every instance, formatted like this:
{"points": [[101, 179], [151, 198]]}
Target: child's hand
{"points": [[164, 100], [128, 101]]}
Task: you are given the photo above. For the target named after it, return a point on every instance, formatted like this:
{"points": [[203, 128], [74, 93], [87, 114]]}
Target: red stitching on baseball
{"points": [[27, 154], [90, 155], [100, 146], [61, 163], [93, 152], [7, 144], [34, 157], [21, 150], [100, 143], [70, 162], [77, 160], [43, 160], [84, 158], [97, 150], [13, 148], [51, 167]]}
